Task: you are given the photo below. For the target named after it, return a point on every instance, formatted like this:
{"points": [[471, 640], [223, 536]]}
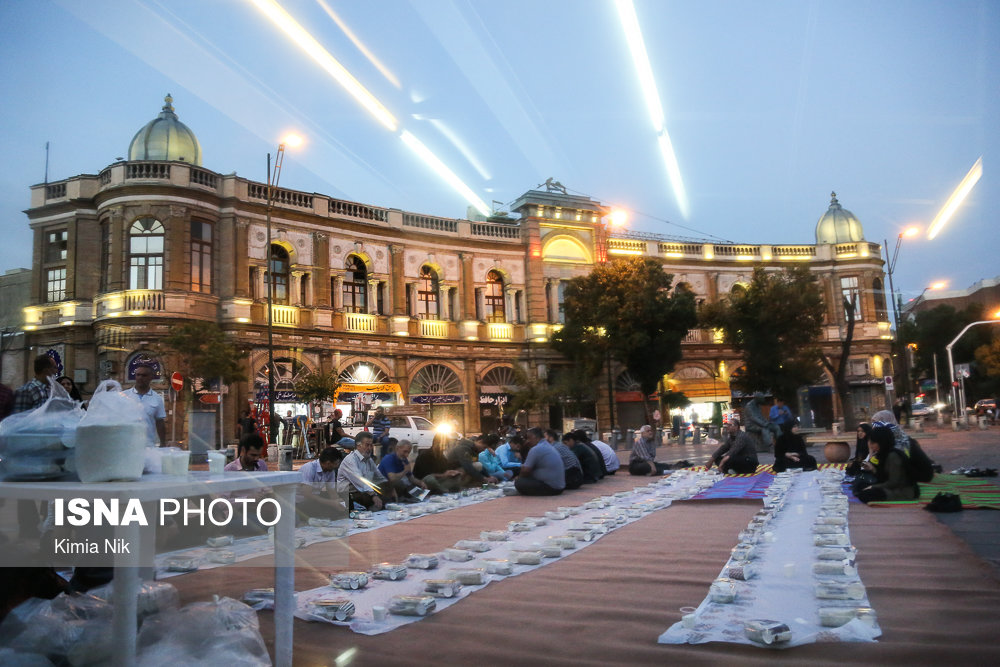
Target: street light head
{"points": [[910, 231], [941, 284], [292, 140], [618, 218]]}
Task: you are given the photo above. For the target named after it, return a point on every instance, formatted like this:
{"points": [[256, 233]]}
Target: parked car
{"points": [[985, 404], [417, 430], [922, 410]]}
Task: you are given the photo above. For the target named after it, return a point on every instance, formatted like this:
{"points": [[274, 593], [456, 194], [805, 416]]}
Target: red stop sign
{"points": [[177, 381]]}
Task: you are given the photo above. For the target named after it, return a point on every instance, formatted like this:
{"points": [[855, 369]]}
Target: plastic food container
{"points": [[494, 535], [563, 541], [182, 564], [412, 605], [333, 531], [500, 566], [222, 557], [389, 571], [457, 555], [220, 541], [334, 609], [422, 561], [526, 557], [767, 632], [479, 546], [835, 590], [351, 581], [473, 576], [442, 588]]}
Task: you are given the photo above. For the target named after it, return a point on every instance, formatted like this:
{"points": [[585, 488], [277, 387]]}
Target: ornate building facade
{"points": [[444, 308]]}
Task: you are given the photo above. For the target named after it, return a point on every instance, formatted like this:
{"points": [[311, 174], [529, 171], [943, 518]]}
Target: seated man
{"points": [[737, 453], [574, 471], [335, 434], [543, 473], [588, 460], [396, 468], [359, 479], [465, 456], [509, 455], [489, 459], [317, 494], [609, 457], [248, 455], [642, 460]]}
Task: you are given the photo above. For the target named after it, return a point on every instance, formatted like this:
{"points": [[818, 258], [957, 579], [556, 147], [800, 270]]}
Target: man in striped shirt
{"points": [[642, 461]]}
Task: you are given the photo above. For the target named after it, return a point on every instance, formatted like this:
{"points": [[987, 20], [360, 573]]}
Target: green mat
{"points": [[976, 492]]}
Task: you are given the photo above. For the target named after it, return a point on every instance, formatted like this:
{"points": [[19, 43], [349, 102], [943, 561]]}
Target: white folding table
{"points": [[154, 487]]}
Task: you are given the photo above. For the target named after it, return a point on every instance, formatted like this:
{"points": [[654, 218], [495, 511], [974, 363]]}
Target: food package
{"points": [[38, 444], [112, 437]]}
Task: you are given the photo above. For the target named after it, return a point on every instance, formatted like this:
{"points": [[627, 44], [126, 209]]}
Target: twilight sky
{"points": [[769, 106]]}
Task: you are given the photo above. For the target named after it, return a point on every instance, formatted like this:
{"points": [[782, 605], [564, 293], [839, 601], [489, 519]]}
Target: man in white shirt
{"points": [[317, 494], [610, 456], [359, 478], [151, 401]]}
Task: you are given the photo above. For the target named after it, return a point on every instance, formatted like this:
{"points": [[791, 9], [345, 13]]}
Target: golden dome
{"points": [[838, 225]]}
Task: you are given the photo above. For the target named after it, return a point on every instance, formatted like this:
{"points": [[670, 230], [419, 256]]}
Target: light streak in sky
{"points": [[956, 199], [443, 171], [280, 18], [640, 59], [301, 37], [390, 77], [460, 145]]}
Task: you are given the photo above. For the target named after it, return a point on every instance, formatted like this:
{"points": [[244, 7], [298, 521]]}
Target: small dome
{"points": [[838, 225], [165, 138]]}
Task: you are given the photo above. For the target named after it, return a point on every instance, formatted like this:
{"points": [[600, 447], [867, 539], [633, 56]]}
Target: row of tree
{"points": [[629, 311]]}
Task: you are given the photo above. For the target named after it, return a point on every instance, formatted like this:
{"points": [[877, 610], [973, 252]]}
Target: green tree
{"points": [[202, 349], [988, 357], [625, 310], [775, 322], [317, 387]]}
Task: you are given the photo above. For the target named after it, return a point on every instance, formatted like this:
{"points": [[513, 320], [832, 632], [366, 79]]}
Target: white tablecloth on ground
{"points": [[772, 594], [680, 485]]}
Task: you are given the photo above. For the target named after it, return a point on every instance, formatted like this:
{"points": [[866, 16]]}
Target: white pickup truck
{"points": [[417, 430]]}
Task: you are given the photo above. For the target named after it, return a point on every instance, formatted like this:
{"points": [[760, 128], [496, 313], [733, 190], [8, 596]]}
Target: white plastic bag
{"points": [[37, 444], [112, 437], [222, 632]]}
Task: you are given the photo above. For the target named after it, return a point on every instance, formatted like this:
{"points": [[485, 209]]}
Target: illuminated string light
{"points": [[640, 59], [956, 198]]}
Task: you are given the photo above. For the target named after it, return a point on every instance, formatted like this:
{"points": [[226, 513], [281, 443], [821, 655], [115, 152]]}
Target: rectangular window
{"points": [[304, 289], [253, 283], [517, 307], [146, 272], [850, 292], [355, 294], [55, 246], [201, 257], [857, 367], [55, 285], [380, 298], [560, 297]]}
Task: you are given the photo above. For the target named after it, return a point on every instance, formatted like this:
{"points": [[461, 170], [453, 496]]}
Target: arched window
{"points": [[493, 298], [356, 286], [279, 273], [881, 314], [428, 307], [145, 249]]}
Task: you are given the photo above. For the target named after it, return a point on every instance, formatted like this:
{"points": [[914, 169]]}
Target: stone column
{"points": [[295, 294], [372, 288], [240, 254], [321, 274], [509, 306], [176, 254], [534, 286], [338, 292], [118, 262], [468, 287], [397, 284]]}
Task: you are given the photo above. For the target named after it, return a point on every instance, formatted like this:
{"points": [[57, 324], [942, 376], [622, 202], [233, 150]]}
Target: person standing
{"points": [[247, 424], [151, 401], [35, 391], [379, 424], [780, 414]]}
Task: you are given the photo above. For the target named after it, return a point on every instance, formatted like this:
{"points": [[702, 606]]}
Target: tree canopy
{"points": [[203, 350], [775, 322], [626, 309], [317, 387]]}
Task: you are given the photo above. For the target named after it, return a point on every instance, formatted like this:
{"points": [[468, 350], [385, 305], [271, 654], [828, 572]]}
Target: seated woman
{"points": [[790, 450], [860, 450], [889, 466]]}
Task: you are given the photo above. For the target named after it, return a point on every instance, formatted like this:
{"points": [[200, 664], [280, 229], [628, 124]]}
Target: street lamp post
{"points": [[272, 184], [951, 363], [896, 305]]}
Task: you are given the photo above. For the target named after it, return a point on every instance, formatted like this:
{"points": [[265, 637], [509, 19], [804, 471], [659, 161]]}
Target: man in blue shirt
{"points": [[396, 468], [543, 473], [379, 423], [780, 414], [509, 457], [317, 494]]}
